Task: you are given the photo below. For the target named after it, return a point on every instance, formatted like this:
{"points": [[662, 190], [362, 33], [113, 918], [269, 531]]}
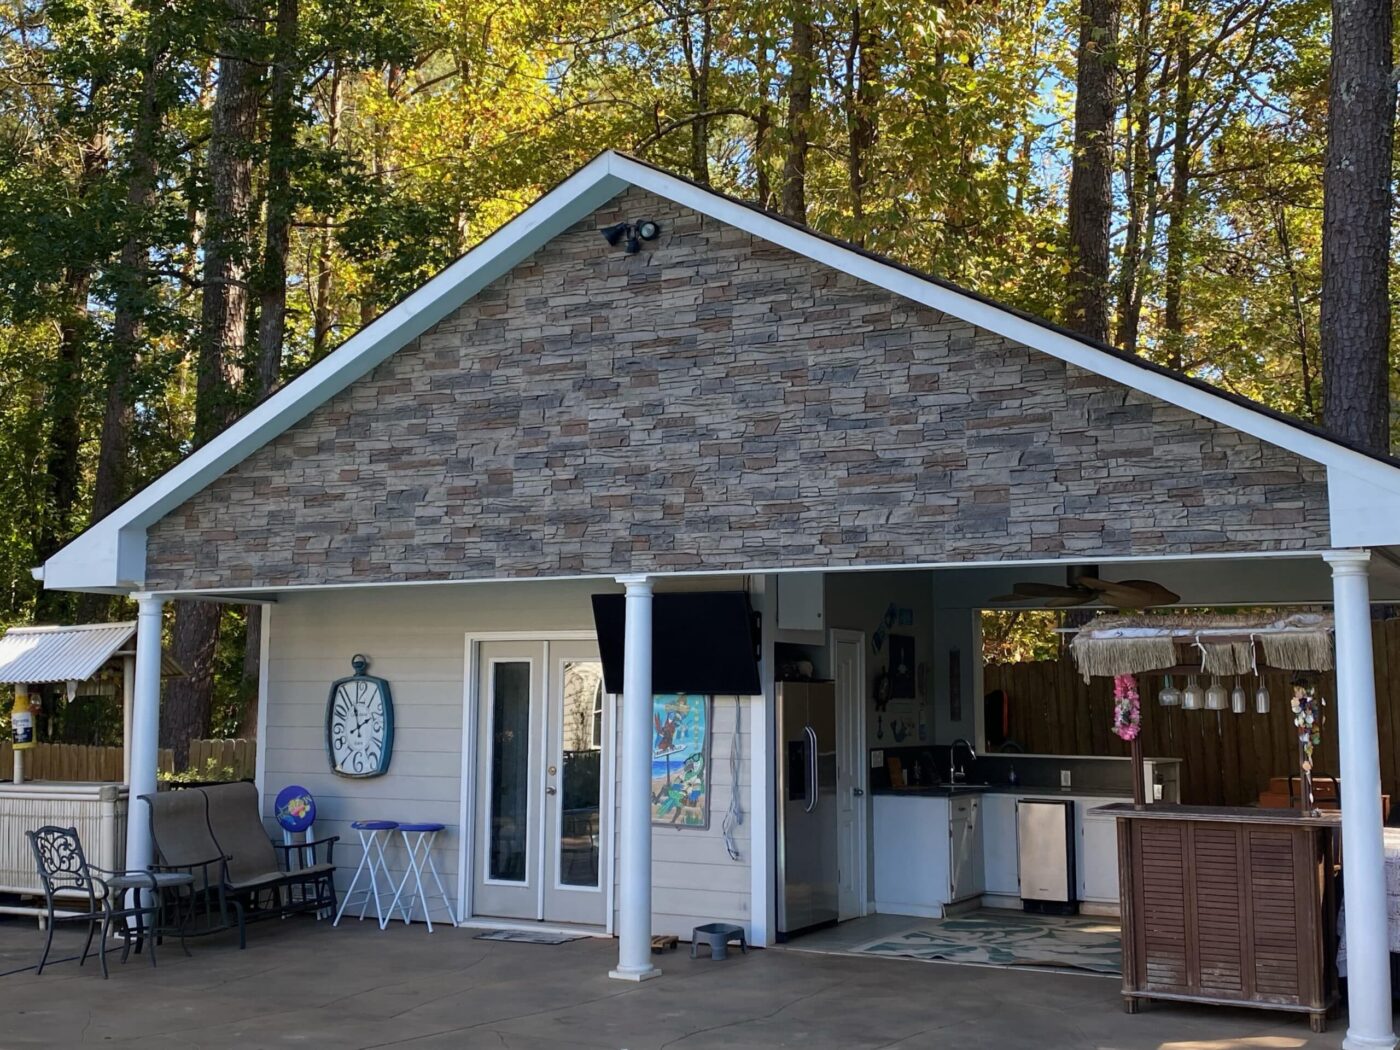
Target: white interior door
{"points": [[848, 660], [542, 797]]}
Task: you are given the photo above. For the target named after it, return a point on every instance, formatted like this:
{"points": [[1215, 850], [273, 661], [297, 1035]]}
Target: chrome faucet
{"points": [[956, 773]]}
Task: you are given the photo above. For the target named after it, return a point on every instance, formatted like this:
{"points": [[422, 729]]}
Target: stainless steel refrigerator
{"points": [[808, 875]]}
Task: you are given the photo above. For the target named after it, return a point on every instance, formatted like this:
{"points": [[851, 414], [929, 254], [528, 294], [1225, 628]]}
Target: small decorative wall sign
{"points": [[680, 761], [955, 685], [359, 723], [901, 666]]}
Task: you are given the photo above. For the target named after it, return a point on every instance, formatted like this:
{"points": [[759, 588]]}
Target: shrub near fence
{"points": [[240, 756]]}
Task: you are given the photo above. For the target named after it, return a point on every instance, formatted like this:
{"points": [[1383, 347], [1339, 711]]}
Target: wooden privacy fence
{"points": [[82, 762], [238, 755], [72, 762], [1227, 759]]}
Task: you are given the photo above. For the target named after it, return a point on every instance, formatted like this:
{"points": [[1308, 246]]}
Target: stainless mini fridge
{"points": [[808, 874], [1045, 854]]}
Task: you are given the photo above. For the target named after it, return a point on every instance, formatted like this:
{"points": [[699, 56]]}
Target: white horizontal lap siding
{"points": [[693, 879], [414, 638]]}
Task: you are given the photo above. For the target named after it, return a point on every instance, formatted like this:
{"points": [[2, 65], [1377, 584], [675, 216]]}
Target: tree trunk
{"points": [[697, 60], [1355, 309], [1140, 183], [224, 319], [1091, 169], [272, 308], [763, 124], [65, 398], [131, 301], [1300, 319], [803, 71], [185, 710], [1173, 322], [321, 301], [281, 145], [252, 670], [862, 99]]}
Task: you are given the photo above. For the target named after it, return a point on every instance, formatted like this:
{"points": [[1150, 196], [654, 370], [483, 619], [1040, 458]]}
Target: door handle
{"points": [[551, 791], [811, 803], [858, 792]]}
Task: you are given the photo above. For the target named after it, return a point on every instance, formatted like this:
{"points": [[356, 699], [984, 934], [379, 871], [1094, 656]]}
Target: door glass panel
{"points": [[510, 770], [580, 790]]}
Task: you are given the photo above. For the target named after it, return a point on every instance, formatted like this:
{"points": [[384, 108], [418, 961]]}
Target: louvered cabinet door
{"points": [[1218, 878], [1159, 962], [1282, 917]]}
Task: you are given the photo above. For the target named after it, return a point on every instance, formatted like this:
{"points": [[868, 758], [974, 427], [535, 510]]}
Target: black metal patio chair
{"points": [[99, 896]]}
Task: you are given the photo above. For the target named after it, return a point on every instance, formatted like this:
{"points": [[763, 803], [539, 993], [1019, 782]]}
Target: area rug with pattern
{"points": [[1082, 943]]}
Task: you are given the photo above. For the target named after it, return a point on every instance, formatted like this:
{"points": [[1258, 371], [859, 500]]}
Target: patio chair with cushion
{"points": [[215, 833], [104, 899], [260, 869]]}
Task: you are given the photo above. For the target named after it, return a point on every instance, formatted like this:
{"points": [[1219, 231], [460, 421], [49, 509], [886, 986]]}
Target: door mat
{"points": [[527, 937], [1017, 940]]}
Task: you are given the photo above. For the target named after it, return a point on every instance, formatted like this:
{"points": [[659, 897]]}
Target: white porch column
{"points": [[142, 748], [128, 695], [1363, 857], [634, 821]]}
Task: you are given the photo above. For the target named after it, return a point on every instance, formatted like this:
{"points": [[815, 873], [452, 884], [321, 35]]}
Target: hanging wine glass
{"points": [[1261, 698], [1216, 697], [1193, 697], [1239, 700], [1170, 696]]}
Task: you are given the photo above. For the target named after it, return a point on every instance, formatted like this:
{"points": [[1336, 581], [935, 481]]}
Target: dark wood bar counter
{"points": [[1226, 905]]}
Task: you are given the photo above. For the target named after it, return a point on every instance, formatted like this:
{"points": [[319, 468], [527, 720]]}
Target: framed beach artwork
{"points": [[680, 760]]}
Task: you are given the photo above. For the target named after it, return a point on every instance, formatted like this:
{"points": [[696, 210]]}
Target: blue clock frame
{"points": [[360, 664]]}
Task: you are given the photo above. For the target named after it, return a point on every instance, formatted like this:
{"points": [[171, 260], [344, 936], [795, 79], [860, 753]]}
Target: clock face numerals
{"points": [[359, 727]]}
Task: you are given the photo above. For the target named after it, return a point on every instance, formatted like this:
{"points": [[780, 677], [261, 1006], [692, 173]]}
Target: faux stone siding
{"points": [[717, 402]]}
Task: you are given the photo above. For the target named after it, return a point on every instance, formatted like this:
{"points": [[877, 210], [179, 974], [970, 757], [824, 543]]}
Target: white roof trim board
{"points": [[1363, 492], [61, 654]]}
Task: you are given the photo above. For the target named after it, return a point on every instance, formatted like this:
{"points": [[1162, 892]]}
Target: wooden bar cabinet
{"points": [[1229, 906]]}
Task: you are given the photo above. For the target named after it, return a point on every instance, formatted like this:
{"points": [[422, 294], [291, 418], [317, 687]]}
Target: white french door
{"points": [[543, 753]]}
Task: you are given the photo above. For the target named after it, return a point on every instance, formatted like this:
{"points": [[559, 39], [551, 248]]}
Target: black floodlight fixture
{"points": [[631, 234], [613, 234]]}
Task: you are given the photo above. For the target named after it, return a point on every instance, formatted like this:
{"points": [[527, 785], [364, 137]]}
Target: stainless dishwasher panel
{"points": [[1045, 853]]}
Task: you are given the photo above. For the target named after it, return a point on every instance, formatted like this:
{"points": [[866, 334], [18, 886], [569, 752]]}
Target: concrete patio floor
{"points": [[304, 984]]}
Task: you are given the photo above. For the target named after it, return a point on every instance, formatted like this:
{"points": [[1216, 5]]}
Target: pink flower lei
{"points": [[1127, 707]]}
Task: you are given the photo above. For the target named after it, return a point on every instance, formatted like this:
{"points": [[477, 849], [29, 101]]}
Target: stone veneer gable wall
{"points": [[719, 402]]}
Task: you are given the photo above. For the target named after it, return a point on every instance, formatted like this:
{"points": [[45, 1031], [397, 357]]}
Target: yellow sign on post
{"points": [[22, 720]]}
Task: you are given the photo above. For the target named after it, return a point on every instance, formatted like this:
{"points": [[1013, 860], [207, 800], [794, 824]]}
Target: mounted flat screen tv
{"points": [[701, 642]]}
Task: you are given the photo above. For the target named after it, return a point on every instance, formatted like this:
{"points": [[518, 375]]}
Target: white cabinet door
{"points": [[800, 602], [911, 851], [1098, 870], [999, 845], [965, 843]]}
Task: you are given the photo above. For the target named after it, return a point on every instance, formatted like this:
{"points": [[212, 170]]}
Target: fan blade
{"points": [[1130, 594], [1046, 590], [1059, 601]]}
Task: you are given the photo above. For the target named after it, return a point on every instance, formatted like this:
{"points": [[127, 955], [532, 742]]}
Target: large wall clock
{"points": [[360, 723]]}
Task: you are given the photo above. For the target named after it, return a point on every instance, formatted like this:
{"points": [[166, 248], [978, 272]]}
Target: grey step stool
{"points": [[717, 935]]}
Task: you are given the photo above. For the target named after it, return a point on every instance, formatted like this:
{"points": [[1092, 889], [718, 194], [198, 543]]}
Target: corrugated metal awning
{"points": [[62, 654]]}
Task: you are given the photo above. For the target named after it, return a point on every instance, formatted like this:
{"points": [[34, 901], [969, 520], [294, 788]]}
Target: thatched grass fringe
{"points": [[1114, 656]]}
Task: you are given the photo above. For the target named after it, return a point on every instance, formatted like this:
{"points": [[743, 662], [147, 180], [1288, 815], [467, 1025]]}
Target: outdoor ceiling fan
{"points": [[1085, 588]]}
